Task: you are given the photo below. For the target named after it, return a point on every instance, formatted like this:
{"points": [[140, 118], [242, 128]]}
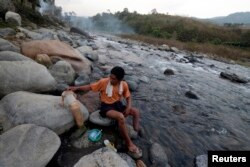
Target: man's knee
{"points": [[120, 118], [135, 112]]}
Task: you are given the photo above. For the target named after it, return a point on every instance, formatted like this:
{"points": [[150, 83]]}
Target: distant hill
{"points": [[234, 18]]}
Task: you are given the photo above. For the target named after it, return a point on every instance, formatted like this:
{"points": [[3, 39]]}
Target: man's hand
{"points": [[72, 88], [126, 112]]}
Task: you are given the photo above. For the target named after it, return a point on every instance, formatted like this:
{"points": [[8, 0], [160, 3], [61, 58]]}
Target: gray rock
{"points": [[7, 46], [144, 79], [64, 37], [28, 145], [131, 132], [174, 49], [13, 17], [88, 52], [63, 72], [191, 95], [132, 85], [6, 32], [82, 79], [31, 34], [128, 159], [24, 75], [47, 33], [201, 161], [13, 56], [164, 47], [97, 119], [169, 72], [104, 157], [43, 110], [233, 77], [158, 156]]}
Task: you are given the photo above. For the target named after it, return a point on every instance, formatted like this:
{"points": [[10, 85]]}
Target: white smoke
{"points": [[109, 24]]}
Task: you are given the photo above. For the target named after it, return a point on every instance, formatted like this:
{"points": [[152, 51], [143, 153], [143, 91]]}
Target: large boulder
{"points": [[43, 110], [13, 17], [6, 32], [63, 72], [13, 56], [24, 75], [59, 49], [7, 46], [28, 145], [104, 157]]}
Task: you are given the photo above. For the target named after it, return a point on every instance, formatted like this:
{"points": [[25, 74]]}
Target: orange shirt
{"points": [[100, 86]]}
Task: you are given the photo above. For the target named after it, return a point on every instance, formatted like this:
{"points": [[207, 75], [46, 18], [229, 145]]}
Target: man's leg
{"points": [[119, 117], [136, 115]]}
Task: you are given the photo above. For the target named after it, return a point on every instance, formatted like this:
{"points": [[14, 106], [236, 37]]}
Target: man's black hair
{"points": [[118, 72]]}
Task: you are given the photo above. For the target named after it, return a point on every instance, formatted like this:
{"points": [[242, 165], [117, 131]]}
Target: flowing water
{"points": [[218, 120]]}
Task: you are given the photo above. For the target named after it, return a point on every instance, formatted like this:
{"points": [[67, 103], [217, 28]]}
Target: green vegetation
{"points": [[186, 33]]}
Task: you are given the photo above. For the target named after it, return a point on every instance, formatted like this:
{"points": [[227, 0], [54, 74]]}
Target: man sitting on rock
{"points": [[112, 89]]}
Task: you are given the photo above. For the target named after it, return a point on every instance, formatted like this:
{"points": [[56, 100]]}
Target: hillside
{"points": [[234, 18]]}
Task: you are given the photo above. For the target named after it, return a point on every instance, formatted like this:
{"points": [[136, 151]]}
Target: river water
{"points": [[218, 120]]}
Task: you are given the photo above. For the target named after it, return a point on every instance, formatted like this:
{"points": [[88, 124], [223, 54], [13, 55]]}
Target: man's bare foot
{"points": [[134, 151], [140, 163], [133, 148]]}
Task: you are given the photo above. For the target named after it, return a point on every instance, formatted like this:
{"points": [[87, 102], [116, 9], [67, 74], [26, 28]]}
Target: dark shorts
{"points": [[117, 106]]}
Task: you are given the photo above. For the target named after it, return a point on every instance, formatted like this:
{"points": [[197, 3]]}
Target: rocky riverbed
{"points": [[187, 105]]}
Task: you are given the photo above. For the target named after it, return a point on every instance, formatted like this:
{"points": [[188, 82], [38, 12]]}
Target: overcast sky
{"points": [[190, 8]]}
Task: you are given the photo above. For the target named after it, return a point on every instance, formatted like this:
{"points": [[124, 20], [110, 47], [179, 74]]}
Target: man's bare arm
{"points": [[128, 106], [83, 88]]}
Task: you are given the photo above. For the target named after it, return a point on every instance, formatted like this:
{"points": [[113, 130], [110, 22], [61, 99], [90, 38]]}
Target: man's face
{"points": [[113, 79]]}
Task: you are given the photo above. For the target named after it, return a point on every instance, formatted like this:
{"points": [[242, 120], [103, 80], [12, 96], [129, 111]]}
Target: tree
{"points": [[154, 11]]}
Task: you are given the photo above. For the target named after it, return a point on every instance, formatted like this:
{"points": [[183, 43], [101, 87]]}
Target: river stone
{"points": [[233, 77], [8, 46], [169, 72], [63, 72], [144, 79], [103, 157], [132, 85], [12, 17], [13, 56], [43, 59], [128, 159], [131, 132], [158, 156], [43, 110], [201, 161], [28, 145], [6, 32], [82, 79], [31, 34], [191, 95], [97, 119], [24, 75]]}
